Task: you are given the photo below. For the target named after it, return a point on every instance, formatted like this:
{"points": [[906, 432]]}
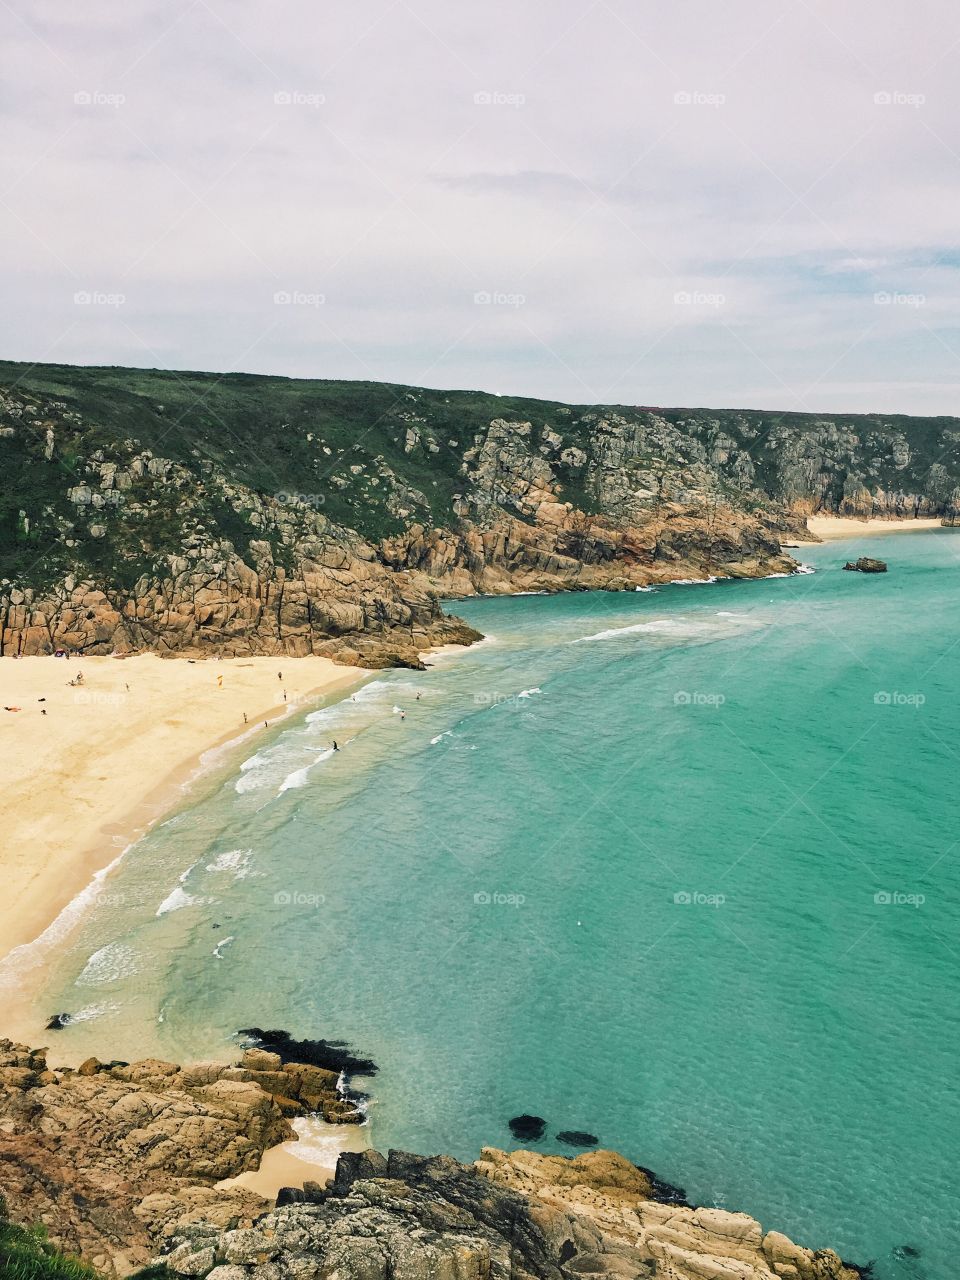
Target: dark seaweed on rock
{"points": [[577, 1138], [527, 1128], [58, 1022], [665, 1192], [332, 1055]]}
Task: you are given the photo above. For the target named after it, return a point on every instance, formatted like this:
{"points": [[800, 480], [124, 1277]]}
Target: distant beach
{"points": [[830, 527], [88, 767]]}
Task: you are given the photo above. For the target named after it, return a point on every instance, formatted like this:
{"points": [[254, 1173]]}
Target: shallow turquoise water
{"points": [[640, 900]]}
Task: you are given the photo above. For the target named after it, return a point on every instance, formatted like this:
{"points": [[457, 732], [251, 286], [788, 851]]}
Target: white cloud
{"points": [[400, 157]]}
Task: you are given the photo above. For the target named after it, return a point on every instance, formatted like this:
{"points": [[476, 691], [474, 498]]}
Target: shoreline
{"points": [[74, 803], [310, 1157], [832, 528]]}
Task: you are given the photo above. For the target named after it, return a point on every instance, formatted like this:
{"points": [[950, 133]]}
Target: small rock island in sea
{"points": [[866, 565]]}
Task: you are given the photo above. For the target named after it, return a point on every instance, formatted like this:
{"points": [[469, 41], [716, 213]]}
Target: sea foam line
{"points": [[31, 954]]}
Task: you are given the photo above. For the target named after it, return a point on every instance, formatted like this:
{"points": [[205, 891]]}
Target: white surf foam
{"points": [[111, 963], [681, 628], [529, 693], [253, 773], [179, 899], [320, 1143], [236, 861], [91, 1011], [659, 625], [447, 733], [300, 777], [218, 949], [30, 954]]}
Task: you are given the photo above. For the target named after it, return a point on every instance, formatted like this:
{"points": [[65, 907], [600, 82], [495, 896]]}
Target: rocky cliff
{"points": [[192, 512], [121, 1164]]}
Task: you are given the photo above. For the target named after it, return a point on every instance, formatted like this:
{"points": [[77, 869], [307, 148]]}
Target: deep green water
{"points": [[619, 867]]}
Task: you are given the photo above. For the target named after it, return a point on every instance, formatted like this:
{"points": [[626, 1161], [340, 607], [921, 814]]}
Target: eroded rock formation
{"points": [[109, 1157], [191, 514], [508, 1216], [121, 1164]]}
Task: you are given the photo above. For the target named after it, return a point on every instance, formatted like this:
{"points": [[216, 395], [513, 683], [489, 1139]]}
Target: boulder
{"points": [[866, 565]]}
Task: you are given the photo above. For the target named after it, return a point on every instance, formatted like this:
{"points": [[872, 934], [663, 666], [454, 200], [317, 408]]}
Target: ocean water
{"points": [[678, 868]]}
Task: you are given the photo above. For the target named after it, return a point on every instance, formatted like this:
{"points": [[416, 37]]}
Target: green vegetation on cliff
{"points": [[27, 1254], [190, 512], [375, 457]]}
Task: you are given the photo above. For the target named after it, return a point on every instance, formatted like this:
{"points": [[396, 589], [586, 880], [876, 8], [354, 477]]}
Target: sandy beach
{"points": [[311, 1157], [87, 768], [829, 528]]}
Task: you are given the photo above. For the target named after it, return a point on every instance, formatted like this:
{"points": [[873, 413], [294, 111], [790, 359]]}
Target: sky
{"points": [[748, 204]]}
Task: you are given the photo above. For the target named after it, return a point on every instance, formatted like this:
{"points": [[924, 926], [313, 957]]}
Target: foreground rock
{"points": [[866, 565], [121, 1164], [509, 1216], [109, 1157]]}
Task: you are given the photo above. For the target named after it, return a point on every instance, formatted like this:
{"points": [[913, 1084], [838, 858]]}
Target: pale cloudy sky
{"points": [[751, 203]]}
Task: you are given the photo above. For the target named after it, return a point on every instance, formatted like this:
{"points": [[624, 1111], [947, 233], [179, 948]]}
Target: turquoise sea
{"points": [[679, 868]]}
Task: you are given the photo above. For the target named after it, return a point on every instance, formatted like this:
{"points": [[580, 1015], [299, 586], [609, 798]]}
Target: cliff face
{"points": [[189, 513], [120, 1163], [109, 1158]]}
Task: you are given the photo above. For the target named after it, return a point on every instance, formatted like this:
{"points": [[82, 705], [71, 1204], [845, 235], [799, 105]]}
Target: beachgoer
{"points": [[219, 682], [335, 747]]}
